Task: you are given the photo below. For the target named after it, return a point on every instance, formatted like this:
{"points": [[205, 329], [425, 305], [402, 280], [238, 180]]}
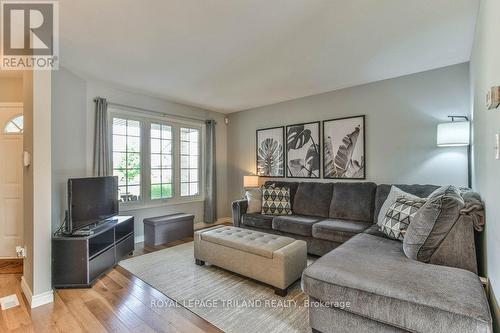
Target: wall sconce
{"points": [[456, 134], [250, 181]]}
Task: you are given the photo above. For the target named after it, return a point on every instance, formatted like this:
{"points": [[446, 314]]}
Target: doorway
{"points": [[11, 178]]}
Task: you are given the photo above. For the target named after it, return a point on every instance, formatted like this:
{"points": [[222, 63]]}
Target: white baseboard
{"points": [[36, 300], [139, 239]]}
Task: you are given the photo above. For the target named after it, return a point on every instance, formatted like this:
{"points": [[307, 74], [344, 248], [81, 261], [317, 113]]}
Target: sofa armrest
{"points": [[239, 208]]}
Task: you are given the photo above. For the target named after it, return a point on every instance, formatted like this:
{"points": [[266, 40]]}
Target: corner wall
{"points": [[28, 178], [485, 72], [401, 119], [36, 283]]}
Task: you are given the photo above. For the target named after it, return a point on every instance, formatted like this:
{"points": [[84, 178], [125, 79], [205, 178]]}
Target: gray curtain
{"points": [[102, 154], [210, 176]]}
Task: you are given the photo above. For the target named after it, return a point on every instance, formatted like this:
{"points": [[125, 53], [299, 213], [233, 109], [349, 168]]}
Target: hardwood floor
{"points": [[11, 266], [118, 302]]}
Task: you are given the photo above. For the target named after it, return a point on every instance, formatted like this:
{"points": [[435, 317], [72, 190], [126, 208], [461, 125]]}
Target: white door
{"points": [[11, 182]]}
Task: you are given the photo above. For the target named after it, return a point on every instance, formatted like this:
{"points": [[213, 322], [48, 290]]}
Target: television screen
{"points": [[91, 200]]}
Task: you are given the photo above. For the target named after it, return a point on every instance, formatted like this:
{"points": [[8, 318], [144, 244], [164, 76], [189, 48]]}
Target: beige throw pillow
{"points": [[254, 197]]}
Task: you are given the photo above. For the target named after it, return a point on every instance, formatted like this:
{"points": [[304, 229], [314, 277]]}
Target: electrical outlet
{"points": [[21, 251]]}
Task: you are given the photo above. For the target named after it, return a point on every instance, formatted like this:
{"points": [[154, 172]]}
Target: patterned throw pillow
{"points": [[399, 216], [276, 200]]}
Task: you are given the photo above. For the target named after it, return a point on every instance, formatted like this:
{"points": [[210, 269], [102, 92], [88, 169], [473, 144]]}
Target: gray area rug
{"points": [[229, 301]]}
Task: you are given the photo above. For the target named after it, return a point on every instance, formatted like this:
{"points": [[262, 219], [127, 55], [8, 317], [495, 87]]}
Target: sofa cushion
{"points": [[291, 185], [381, 283], [313, 199], [353, 201], [330, 318], [257, 221], [375, 231], [421, 191], [295, 224], [337, 230], [432, 223]]}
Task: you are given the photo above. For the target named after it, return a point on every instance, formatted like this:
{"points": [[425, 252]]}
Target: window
{"points": [[190, 161], [15, 125], [127, 158], [156, 159], [161, 161]]}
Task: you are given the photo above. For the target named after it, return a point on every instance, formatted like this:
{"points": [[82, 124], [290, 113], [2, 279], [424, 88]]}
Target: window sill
{"points": [[128, 208]]}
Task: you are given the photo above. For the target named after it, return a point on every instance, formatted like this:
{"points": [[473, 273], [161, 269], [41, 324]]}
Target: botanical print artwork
{"points": [[270, 152], [344, 148], [303, 150]]}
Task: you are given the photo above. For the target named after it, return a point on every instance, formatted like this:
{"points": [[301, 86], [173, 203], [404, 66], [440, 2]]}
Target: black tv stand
{"points": [[78, 261]]}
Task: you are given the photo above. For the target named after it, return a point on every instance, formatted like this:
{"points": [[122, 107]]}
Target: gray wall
{"points": [[69, 135], [485, 72], [73, 135], [37, 180], [401, 118]]}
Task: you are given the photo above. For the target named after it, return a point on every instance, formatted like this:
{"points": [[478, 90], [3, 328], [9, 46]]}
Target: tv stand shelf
{"points": [[78, 261]]}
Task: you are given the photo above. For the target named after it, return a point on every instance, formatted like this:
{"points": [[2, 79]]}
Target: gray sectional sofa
{"points": [[363, 281]]}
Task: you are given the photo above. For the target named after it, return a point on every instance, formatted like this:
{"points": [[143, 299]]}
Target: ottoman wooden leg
{"points": [[280, 292], [199, 262]]}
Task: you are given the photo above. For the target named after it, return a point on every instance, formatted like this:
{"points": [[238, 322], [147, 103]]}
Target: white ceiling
{"points": [[231, 55]]}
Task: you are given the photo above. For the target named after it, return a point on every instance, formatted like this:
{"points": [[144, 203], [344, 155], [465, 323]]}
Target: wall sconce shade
{"points": [[453, 134], [250, 181]]}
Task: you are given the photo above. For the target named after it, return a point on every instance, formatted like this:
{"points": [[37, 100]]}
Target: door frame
{"points": [[12, 105]]}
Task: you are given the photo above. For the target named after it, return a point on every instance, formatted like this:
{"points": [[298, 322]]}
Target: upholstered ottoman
{"points": [[167, 228], [274, 260]]}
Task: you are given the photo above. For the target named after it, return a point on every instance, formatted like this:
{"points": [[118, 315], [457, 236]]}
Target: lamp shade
{"points": [[250, 181], [453, 134]]}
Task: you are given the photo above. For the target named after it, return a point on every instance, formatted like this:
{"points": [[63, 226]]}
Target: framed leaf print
{"points": [[344, 148], [303, 150], [271, 152]]}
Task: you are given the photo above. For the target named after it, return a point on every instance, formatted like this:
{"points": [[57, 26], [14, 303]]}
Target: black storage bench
{"points": [[165, 229]]}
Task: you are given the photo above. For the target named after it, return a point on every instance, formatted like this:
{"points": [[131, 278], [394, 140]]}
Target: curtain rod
{"points": [[164, 114]]}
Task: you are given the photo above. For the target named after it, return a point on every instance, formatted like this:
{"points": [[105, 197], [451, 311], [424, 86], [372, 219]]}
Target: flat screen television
{"points": [[91, 200]]}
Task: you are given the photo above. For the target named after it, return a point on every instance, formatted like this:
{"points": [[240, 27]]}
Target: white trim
{"points": [[10, 258], [138, 239], [176, 124], [36, 300], [161, 203], [119, 111]]}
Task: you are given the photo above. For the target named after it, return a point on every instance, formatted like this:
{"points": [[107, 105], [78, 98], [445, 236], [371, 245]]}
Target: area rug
{"points": [[229, 301]]}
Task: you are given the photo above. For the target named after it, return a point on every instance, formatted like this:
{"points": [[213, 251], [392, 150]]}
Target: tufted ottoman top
{"points": [[254, 242]]}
